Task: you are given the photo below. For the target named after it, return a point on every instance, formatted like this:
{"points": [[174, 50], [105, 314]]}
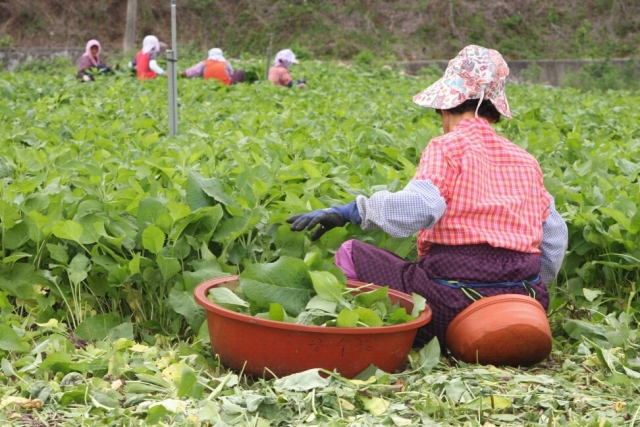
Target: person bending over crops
{"points": [[215, 67], [477, 202], [90, 62], [145, 62], [279, 73]]}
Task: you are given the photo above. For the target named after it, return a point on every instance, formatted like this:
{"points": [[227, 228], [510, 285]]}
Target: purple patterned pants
{"points": [[470, 263]]}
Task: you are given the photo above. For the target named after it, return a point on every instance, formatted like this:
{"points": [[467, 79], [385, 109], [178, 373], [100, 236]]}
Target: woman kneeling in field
{"points": [[477, 201], [279, 74], [215, 67], [90, 61], [145, 62]]}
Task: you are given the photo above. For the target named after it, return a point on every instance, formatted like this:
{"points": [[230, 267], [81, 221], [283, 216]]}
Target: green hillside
{"points": [[404, 30]]}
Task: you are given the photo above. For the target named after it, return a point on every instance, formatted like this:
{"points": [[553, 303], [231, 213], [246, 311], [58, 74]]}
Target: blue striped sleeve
{"points": [[419, 205], [555, 238]]}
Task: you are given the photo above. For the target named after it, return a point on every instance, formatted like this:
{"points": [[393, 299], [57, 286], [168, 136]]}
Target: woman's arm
{"points": [[84, 63], [195, 71], [419, 205], [153, 65], [554, 244]]}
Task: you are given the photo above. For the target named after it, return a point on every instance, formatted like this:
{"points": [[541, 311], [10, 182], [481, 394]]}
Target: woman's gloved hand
{"points": [[335, 216]]}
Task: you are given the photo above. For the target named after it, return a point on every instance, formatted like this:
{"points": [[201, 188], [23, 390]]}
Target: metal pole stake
{"points": [[174, 31], [173, 93], [172, 68]]}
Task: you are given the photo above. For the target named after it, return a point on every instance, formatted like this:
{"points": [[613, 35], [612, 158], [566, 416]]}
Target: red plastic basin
{"points": [[507, 329], [253, 345]]}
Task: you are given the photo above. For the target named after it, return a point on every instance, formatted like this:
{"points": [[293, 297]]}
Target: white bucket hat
{"points": [[216, 54], [476, 73], [285, 57]]}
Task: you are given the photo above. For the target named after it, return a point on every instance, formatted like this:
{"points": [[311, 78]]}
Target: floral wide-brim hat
{"points": [[476, 73]]}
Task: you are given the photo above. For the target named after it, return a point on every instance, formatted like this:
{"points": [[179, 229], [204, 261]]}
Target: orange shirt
{"points": [[216, 70], [493, 189]]}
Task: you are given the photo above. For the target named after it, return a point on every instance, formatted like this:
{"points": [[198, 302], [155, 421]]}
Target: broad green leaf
{"points": [[496, 402], [286, 281], [375, 405], [302, 381], [91, 224], [134, 264], [186, 305], [61, 362], [87, 207], [160, 165], [7, 368], [224, 297], [578, 328], [97, 327], [327, 286], [10, 341], [634, 225], [368, 316], [591, 294], [155, 414], [276, 312], [367, 299], [189, 385], [58, 253], [69, 230], [174, 373], [457, 390], [124, 330], [149, 212], [419, 304], [178, 210], [105, 399], [153, 239], [196, 198], [289, 242], [618, 216], [319, 303], [429, 356], [203, 192], [72, 379], [16, 236], [21, 280], [347, 318], [16, 256], [259, 189], [9, 214], [169, 267], [204, 270], [5, 168], [315, 317], [312, 255], [79, 267], [231, 228], [400, 316]]}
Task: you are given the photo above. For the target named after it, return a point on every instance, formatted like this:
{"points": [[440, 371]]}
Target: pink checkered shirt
{"points": [[493, 190], [279, 76]]}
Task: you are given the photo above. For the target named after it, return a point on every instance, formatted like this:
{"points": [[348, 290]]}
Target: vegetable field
{"points": [[107, 226]]}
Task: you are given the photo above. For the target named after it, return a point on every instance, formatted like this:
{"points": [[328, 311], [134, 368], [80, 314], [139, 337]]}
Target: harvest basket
{"points": [[268, 348]]}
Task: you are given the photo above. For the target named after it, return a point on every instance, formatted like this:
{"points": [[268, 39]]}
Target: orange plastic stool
{"points": [[507, 329]]}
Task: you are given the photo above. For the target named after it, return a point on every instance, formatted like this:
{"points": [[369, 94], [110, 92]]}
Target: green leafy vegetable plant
{"points": [[287, 290]]}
